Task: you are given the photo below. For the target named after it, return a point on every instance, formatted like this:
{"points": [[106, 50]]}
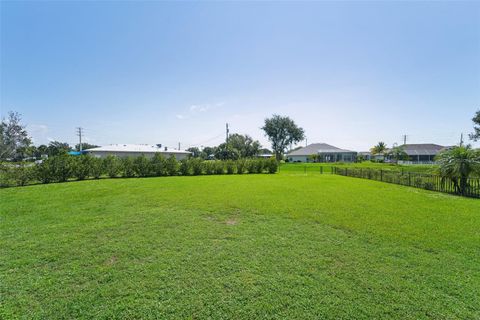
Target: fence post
{"points": [[321, 169], [381, 175], [409, 179]]}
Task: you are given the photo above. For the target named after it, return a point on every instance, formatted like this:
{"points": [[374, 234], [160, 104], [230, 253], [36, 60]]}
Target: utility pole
{"points": [[79, 134], [306, 141], [179, 146], [227, 131], [461, 139], [404, 139]]}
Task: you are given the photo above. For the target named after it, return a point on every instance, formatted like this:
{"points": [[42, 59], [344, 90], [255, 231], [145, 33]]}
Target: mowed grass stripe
{"points": [[253, 246]]}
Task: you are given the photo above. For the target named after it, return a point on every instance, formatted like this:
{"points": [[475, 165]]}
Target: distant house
{"points": [[264, 153], [421, 153], [135, 150], [366, 155], [321, 152]]}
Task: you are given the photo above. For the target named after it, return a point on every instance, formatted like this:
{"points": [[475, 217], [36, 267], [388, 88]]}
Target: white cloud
{"points": [[196, 109]]}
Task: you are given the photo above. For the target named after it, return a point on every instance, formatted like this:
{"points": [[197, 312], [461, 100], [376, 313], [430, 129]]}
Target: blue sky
{"points": [[350, 73]]}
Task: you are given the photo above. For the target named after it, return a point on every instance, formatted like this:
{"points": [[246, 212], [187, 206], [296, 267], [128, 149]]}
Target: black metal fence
{"points": [[469, 188]]}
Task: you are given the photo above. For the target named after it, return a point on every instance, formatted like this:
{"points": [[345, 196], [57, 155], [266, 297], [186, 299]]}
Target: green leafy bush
{"points": [[230, 166], [128, 167], [219, 167], [172, 166], [16, 174], [271, 165], [141, 166], [158, 165], [96, 169], [209, 167], [185, 167], [241, 166], [112, 166], [60, 168], [197, 165], [82, 166]]}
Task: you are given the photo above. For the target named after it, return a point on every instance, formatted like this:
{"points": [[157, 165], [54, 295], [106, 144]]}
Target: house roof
{"points": [[143, 148], [316, 148], [422, 149]]}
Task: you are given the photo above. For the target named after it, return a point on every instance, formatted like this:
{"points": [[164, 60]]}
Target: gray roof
{"points": [[316, 148], [422, 149]]}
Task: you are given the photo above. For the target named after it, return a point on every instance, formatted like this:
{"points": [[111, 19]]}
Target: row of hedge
{"points": [[64, 168]]}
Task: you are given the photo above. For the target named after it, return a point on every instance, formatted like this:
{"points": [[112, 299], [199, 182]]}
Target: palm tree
{"points": [[457, 164], [380, 148], [398, 153]]}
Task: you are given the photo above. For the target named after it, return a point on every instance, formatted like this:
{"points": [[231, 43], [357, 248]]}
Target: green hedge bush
{"points": [[64, 167]]}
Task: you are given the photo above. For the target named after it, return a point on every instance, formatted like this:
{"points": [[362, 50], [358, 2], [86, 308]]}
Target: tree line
{"points": [[62, 168], [16, 145]]}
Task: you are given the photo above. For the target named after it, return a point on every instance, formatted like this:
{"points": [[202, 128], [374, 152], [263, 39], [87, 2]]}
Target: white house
{"points": [[135, 150]]}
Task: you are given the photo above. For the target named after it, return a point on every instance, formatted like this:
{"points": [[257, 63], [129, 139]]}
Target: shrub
{"points": [[112, 166], [230, 166], [60, 168], [158, 165], [219, 167], [141, 166], [197, 165], [272, 165], [185, 167], [128, 168], [241, 166], [16, 175], [5, 178], [209, 167], [42, 171], [428, 186], [172, 166], [96, 169], [82, 166], [250, 166]]}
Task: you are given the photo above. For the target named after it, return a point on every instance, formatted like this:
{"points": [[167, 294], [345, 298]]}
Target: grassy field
{"points": [[327, 167], [283, 246]]}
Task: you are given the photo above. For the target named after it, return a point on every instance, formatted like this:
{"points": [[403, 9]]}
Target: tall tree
{"points": [[208, 153], [281, 132], [56, 148], [225, 151], [246, 146], [379, 148], [13, 136], [475, 135], [195, 152]]}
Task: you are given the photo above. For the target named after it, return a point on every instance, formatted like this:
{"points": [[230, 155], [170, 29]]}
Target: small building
{"points": [[321, 152], [366, 155], [136, 150], [423, 153]]}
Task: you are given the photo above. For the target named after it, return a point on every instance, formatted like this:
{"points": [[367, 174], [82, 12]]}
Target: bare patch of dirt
{"points": [[112, 260], [231, 221]]}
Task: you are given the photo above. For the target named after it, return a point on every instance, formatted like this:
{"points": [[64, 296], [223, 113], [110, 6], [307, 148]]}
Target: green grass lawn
{"points": [[283, 246], [327, 167]]}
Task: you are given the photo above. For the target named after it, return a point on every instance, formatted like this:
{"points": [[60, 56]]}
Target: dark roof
{"points": [[422, 149], [316, 148]]}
